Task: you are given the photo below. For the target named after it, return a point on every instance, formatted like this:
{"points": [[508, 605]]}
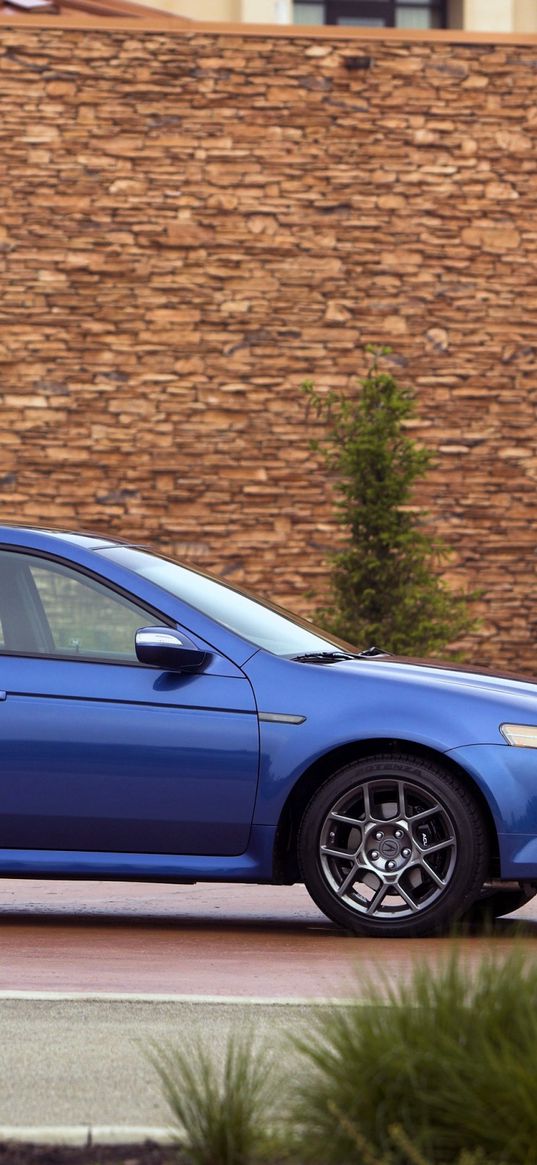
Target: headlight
{"points": [[521, 735]]}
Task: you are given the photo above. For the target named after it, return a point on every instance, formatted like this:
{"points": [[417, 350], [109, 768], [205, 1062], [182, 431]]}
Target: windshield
{"points": [[256, 620]]}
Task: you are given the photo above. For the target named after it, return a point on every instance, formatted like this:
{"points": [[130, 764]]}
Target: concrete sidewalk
{"points": [[67, 1063]]}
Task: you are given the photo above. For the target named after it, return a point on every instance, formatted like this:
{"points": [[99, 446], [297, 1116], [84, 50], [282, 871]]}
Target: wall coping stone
{"points": [[329, 32]]}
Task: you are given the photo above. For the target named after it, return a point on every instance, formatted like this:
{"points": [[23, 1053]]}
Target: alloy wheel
{"points": [[388, 849]]}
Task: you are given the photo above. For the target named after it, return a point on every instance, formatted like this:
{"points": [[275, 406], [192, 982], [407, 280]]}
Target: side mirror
{"points": [[168, 649]]}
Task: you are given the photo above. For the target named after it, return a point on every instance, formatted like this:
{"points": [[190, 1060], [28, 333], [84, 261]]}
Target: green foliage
{"points": [[385, 588], [408, 1152], [220, 1110], [443, 1069]]}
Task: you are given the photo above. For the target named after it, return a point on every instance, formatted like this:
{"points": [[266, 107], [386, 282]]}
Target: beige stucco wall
{"points": [[246, 11], [500, 15], [200, 9], [488, 14], [525, 15]]}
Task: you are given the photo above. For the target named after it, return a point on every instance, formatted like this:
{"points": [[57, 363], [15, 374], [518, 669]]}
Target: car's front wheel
{"points": [[393, 845]]}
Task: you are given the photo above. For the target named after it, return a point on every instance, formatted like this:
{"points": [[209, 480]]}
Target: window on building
{"points": [[372, 13]]}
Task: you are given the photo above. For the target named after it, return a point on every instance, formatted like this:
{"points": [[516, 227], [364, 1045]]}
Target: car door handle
{"points": [[3, 695]]}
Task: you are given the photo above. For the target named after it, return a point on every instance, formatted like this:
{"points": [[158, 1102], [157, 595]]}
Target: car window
{"points": [[48, 609]]}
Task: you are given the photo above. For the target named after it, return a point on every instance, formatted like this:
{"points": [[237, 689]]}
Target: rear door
{"points": [[98, 752]]}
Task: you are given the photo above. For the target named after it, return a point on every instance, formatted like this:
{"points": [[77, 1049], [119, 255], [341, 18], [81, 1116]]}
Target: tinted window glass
{"points": [[48, 608]]}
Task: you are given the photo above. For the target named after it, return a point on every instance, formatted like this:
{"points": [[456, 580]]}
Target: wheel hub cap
{"points": [[392, 851]]}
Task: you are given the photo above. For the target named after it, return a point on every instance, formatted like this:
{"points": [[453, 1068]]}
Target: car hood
{"points": [[447, 674]]}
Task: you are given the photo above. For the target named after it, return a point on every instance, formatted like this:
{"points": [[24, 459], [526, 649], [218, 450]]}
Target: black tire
{"points": [[496, 900], [393, 846]]}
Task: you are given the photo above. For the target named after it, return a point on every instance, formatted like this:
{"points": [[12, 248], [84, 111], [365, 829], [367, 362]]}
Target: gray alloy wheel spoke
{"points": [[425, 813], [348, 880], [346, 820], [343, 854], [376, 901], [401, 801], [367, 802], [429, 870], [410, 901], [434, 849]]}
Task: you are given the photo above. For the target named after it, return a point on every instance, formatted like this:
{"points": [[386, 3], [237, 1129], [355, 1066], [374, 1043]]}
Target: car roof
{"points": [[84, 539]]}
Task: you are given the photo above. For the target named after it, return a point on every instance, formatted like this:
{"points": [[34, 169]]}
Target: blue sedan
{"points": [[159, 725]]}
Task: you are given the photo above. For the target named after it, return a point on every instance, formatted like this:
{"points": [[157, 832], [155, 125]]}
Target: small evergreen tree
{"points": [[385, 589]]}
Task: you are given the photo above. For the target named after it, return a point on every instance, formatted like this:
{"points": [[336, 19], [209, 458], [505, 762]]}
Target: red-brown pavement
{"points": [[203, 940]]}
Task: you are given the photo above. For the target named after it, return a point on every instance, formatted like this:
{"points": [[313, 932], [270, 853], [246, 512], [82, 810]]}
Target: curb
{"points": [[85, 1135], [146, 997]]}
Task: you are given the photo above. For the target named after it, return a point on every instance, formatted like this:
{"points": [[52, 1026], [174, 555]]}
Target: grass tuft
{"points": [[442, 1069], [221, 1109]]}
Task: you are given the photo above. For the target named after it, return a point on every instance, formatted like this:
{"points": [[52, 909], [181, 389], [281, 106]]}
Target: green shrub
{"points": [[440, 1071], [449, 1060], [220, 1110], [385, 585]]}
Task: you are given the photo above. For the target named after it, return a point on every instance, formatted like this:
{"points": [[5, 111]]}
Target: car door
{"points": [[100, 753]]}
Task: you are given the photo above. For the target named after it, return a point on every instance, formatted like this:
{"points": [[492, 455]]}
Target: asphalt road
{"points": [[204, 940], [94, 974]]}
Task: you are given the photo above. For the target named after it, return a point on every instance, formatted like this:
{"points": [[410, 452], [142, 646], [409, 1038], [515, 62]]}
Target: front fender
{"points": [[338, 707], [507, 777]]}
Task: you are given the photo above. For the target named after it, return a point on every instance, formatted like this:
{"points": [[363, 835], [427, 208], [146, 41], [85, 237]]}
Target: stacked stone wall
{"points": [[191, 223]]}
